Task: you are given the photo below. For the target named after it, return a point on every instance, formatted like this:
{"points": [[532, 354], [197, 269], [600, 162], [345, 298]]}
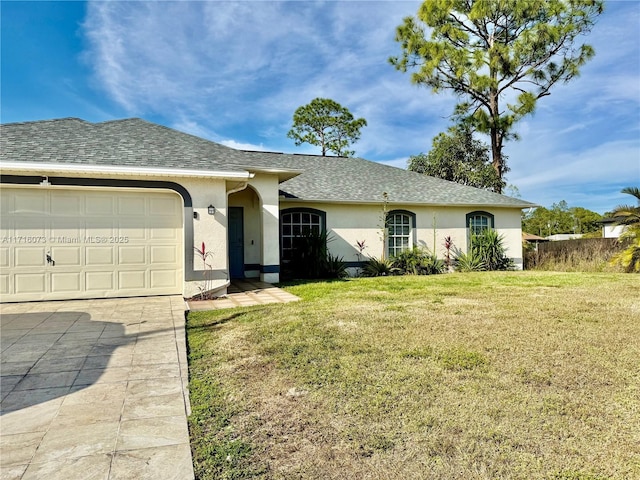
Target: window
{"points": [[297, 222], [400, 227], [478, 222]]}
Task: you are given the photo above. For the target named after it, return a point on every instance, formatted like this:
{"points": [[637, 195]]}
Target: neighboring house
{"points": [[116, 209], [564, 236], [610, 228], [532, 239]]}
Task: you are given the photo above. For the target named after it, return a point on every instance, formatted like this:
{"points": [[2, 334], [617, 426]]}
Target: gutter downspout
{"points": [[240, 185]]}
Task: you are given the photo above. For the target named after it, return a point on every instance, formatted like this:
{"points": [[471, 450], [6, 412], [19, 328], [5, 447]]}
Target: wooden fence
{"points": [[573, 254]]}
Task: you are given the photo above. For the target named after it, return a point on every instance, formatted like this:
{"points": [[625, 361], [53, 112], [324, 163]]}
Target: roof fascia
{"points": [[66, 168], [283, 174], [355, 202]]}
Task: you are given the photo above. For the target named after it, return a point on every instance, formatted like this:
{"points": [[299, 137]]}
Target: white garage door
{"points": [[68, 243]]}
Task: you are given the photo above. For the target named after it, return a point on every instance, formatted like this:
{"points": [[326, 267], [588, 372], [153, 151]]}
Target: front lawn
{"points": [[506, 375]]}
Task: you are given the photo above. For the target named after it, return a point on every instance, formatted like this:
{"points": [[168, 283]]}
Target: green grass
{"points": [[511, 375]]}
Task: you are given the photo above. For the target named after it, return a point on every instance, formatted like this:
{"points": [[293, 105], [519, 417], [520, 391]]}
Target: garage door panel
{"points": [[100, 281], [130, 255], [66, 203], [100, 205], [30, 202], [65, 282], [131, 279], [4, 257], [163, 254], [163, 234], [96, 256], [7, 225], [132, 229], [131, 205], [104, 242], [30, 283], [163, 278], [100, 227], [67, 230], [6, 201], [4, 284], [27, 228], [29, 256], [67, 256]]}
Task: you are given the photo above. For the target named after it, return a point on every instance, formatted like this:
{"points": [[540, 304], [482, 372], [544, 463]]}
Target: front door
{"points": [[236, 242]]}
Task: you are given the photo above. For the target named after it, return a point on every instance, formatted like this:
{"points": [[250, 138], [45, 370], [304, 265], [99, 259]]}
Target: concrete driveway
{"points": [[94, 389]]}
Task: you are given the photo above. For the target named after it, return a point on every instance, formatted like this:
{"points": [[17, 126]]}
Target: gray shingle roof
{"points": [[137, 143], [339, 179], [131, 142]]}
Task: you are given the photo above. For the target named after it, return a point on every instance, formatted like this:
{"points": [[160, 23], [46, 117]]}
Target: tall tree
{"points": [[458, 157], [327, 124], [585, 221], [487, 50]]}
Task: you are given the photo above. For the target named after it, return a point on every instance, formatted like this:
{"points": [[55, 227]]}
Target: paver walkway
{"points": [[94, 389], [245, 293]]}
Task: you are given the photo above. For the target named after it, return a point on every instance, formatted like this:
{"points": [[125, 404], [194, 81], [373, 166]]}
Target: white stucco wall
{"points": [[259, 199], [348, 224], [267, 187], [612, 231], [210, 229]]}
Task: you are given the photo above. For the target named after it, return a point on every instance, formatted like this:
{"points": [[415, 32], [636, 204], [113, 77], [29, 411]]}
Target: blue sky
{"points": [[234, 72]]}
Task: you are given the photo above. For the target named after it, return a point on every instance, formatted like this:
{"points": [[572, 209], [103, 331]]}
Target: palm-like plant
{"points": [[630, 216]]}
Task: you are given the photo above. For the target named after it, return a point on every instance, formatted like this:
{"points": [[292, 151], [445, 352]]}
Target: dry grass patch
{"points": [[511, 375]]}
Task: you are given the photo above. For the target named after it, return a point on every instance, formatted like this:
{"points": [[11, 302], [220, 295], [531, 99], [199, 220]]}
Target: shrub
{"points": [[469, 262], [311, 258], [334, 267], [629, 215], [629, 258], [489, 247], [377, 267], [487, 253], [418, 261]]}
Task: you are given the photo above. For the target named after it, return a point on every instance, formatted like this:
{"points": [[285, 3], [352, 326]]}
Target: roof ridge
{"points": [[51, 120]]}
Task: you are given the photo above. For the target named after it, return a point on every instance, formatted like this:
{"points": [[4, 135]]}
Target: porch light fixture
{"points": [[211, 210]]}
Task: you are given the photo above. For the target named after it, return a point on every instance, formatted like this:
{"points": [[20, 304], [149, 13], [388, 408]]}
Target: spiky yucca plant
{"points": [[377, 267]]}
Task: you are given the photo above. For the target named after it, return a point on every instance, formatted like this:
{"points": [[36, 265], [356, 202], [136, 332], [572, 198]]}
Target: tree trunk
{"points": [[496, 154], [496, 136]]}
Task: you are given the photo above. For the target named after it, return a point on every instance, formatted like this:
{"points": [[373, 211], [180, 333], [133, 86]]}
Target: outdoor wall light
{"points": [[211, 210]]}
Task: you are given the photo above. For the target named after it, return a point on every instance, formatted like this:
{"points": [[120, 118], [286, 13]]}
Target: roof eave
{"points": [[283, 174], [286, 199], [111, 170]]}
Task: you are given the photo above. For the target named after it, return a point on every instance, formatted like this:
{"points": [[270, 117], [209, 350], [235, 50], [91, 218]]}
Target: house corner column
{"points": [[270, 268]]}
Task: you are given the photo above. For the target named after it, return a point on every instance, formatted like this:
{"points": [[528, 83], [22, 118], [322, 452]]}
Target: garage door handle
{"points": [[50, 260]]}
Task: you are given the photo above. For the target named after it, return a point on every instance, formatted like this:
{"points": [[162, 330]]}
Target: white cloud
{"points": [[244, 146], [234, 72]]}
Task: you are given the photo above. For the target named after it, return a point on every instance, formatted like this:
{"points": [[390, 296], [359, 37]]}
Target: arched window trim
{"points": [[391, 249], [323, 221], [479, 213]]}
